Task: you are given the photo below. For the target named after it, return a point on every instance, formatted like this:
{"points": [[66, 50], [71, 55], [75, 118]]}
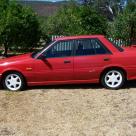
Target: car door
{"points": [[91, 56], [57, 65]]}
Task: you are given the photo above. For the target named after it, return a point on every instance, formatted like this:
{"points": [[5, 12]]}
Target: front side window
{"points": [[60, 49]]}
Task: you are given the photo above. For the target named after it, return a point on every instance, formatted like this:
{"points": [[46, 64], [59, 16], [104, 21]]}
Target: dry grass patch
{"points": [[68, 111]]}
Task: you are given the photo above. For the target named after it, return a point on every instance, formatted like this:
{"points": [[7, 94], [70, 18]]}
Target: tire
{"points": [[13, 81], [113, 79]]}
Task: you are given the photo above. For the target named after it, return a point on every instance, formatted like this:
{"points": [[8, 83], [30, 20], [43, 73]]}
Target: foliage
{"points": [[92, 22], [108, 8], [73, 19], [45, 35], [124, 26], [19, 26], [66, 21]]}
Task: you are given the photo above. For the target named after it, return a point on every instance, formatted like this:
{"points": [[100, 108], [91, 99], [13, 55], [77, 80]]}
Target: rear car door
{"points": [[91, 56]]}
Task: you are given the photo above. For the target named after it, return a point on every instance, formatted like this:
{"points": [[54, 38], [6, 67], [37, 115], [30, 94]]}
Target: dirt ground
{"points": [[70, 110]]}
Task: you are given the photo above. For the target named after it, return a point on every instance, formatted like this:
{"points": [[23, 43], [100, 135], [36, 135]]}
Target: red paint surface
{"points": [[81, 69]]}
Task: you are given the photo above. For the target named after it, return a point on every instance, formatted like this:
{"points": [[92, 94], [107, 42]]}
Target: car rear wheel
{"points": [[113, 79], [13, 81]]}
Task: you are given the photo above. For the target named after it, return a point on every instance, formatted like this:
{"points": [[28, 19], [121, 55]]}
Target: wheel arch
{"points": [[111, 68], [11, 71]]}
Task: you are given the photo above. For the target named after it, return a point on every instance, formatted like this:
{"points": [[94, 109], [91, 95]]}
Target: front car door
{"points": [[91, 56], [57, 65]]}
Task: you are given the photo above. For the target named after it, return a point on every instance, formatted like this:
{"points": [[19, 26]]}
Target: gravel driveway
{"points": [[70, 110]]}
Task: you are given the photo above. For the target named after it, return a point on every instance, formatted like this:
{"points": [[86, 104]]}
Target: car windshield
{"points": [[119, 48], [34, 54]]}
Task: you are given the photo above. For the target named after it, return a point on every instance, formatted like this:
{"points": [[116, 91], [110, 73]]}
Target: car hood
{"points": [[15, 59]]}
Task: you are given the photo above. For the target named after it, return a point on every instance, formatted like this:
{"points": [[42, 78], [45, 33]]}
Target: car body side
{"points": [[32, 70]]}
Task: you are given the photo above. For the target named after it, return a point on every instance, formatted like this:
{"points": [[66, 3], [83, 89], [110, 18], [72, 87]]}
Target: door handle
{"points": [[67, 61], [106, 59]]}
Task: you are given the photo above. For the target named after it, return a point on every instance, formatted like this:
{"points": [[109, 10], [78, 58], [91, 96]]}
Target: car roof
{"points": [[78, 37]]}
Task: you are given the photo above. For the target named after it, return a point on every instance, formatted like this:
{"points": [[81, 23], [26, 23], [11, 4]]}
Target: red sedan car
{"points": [[71, 60]]}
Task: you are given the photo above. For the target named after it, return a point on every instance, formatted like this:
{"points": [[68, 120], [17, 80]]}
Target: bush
{"points": [[19, 26], [124, 26], [75, 19]]}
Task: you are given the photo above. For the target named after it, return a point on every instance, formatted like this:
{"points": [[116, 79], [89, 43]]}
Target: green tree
{"points": [[124, 26], [19, 26], [108, 8], [92, 21], [66, 21], [45, 36], [73, 19]]}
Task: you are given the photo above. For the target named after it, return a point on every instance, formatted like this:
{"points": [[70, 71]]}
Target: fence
{"points": [[121, 42], [53, 37]]}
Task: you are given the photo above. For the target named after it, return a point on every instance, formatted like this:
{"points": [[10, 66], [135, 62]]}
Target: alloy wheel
{"points": [[13, 82], [113, 79]]}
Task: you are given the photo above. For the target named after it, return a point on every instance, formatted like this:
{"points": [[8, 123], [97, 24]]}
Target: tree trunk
{"points": [[5, 50]]}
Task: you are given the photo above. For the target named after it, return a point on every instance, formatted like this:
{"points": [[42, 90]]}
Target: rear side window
{"points": [[84, 47], [90, 47], [99, 47]]}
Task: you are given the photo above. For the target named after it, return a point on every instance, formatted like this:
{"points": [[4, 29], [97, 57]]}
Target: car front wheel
{"points": [[13, 81], [113, 79]]}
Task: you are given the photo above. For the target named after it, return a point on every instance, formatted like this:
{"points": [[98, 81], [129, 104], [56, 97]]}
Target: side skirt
{"points": [[63, 82]]}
